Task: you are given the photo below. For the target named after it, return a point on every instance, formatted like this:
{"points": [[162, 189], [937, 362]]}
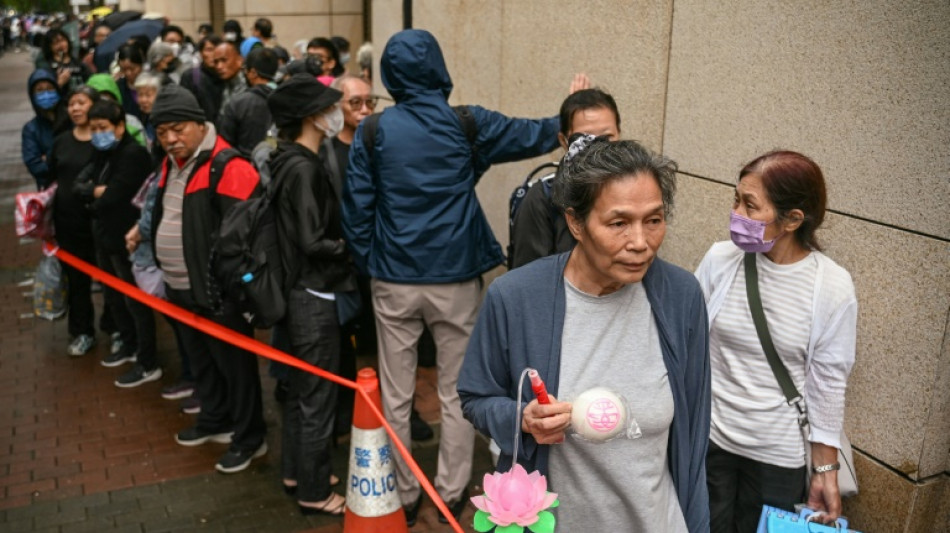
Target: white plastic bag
{"points": [[49, 288]]}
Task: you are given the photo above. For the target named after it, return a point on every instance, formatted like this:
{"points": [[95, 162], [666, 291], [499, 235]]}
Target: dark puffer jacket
{"points": [[37, 135], [410, 215]]}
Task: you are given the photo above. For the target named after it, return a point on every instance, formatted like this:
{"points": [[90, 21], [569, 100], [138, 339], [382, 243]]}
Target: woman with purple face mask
{"points": [[757, 452]]}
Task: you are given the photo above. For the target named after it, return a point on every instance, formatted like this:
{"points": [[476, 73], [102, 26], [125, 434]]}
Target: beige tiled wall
{"points": [[862, 87], [293, 19]]}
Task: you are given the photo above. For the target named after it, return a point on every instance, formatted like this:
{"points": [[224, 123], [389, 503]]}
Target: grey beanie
{"points": [[175, 104]]}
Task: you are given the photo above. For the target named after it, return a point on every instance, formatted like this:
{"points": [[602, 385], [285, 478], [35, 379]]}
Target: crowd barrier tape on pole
{"points": [[254, 346]]}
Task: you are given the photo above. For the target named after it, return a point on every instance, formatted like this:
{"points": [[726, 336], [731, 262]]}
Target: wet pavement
{"points": [[78, 454]]}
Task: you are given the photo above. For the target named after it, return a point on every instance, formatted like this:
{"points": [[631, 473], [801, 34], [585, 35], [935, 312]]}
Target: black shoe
{"points": [[418, 428], [194, 437], [236, 460], [118, 358], [190, 406], [412, 511], [137, 376], [456, 508]]}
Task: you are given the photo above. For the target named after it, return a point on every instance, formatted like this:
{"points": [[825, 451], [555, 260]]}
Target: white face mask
{"points": [[230, 36], [333, 119], [345, 58], [176, 48]]}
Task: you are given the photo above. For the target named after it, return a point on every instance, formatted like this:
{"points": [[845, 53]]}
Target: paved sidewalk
{"points": [[78, 454]]}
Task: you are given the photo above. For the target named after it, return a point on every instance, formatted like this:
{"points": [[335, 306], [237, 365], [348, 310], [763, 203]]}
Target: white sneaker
{"points": [[81, 345]]}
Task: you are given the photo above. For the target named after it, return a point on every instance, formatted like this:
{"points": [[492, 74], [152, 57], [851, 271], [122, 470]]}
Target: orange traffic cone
{"points": [[372, 500]]}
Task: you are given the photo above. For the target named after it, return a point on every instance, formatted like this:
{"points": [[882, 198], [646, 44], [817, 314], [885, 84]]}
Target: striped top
{"points": [[169, 247], [168, 242], [750, 415]]}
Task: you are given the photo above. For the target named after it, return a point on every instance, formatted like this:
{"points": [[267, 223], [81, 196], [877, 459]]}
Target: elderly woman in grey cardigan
{"points": [[609, 313]]}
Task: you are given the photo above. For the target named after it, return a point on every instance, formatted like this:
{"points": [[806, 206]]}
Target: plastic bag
{"points": [[150, 279], [600, 415], [34, 213], [49, 289], [775, 520]]}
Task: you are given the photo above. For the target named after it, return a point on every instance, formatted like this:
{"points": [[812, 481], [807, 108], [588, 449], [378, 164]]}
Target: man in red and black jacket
{"points": [[186, 217]]}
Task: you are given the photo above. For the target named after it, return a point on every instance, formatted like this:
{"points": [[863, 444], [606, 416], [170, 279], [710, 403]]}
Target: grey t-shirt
{"points": [[623, 484]]}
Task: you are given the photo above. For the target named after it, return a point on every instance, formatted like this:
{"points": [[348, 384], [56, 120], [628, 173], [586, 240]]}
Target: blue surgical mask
{"points": [[104, 140], [46, 99]]}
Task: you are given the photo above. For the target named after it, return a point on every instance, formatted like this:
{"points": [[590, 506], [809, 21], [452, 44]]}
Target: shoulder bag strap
{"points": [[336, 176], [762, 329]]}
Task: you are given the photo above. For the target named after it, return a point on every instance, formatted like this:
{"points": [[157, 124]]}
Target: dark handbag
{"points": [[847, 478], [348, 306]]}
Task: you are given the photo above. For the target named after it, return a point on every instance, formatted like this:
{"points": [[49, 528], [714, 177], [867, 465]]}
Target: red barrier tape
{"points": [[254, 346]]}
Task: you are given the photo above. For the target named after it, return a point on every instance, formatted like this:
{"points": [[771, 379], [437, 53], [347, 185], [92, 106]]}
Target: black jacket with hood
{"points": [[309, 222]]}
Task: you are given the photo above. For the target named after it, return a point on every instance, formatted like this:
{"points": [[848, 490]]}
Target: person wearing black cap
{"points": [[245, 120], [311, 244], [186, 217]]}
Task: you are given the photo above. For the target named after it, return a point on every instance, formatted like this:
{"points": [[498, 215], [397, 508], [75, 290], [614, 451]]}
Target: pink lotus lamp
{"points": [[513, 501]]}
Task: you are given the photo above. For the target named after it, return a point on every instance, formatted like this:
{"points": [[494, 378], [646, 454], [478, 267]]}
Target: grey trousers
{"points": [[449, 310]]}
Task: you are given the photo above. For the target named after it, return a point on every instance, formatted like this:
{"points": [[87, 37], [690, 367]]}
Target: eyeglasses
{"points": [[357, 103]]}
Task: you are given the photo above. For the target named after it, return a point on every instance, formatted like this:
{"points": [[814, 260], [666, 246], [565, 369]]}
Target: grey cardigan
{"points": [[520, 325]]}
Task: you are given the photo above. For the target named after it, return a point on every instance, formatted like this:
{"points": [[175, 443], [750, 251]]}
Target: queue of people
{"points": [[385, 205]]}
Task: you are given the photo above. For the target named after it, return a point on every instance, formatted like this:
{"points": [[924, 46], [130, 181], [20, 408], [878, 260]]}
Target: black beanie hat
{"points": [[175, 104], [298, 97]]}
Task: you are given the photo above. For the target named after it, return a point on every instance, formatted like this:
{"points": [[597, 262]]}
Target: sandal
{"points": [[290, 490], [333, 506]]}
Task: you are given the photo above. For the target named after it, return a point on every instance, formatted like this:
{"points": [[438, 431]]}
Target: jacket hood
{"points": [[105, 83], [412, 64], [39, 75]]}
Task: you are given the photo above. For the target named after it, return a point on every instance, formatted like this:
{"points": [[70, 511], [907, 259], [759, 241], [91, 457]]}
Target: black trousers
{"points": [[134, 320], [311, 401], [81, 315], [227, 381], [739, 487]]}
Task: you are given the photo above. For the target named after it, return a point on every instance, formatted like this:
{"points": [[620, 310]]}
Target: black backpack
{"points": [[517, 196], [246, 267]]}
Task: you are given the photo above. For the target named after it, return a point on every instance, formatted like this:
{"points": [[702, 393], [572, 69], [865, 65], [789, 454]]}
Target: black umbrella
{"points": [[118, 18], [107, 48]]}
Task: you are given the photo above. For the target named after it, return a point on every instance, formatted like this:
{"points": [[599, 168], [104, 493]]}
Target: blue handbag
{"points": [[775, 520]]}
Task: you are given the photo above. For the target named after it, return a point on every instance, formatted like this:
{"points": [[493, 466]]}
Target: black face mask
{"points": [[172, 66]]}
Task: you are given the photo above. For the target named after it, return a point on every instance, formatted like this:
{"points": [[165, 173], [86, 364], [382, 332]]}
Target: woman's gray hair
{"points": [[583, 172], [157, 52], [147, 79]]}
